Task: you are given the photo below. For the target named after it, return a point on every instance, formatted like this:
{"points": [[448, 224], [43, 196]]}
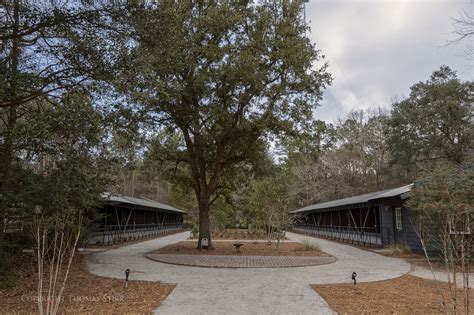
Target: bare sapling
{"points": [[56, 239], [443, 207], [428, 260], [279, 219]]}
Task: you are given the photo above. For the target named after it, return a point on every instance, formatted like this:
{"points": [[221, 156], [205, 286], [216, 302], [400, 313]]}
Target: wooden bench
{"points": [[237, 246]]}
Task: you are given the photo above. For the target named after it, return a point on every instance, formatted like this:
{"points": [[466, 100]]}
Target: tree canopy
{"points": [[224, 76], [434, 122]]}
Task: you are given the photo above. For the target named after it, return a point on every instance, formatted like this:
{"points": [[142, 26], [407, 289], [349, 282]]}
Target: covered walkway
{"points": [[376, 219], [125, 218]]}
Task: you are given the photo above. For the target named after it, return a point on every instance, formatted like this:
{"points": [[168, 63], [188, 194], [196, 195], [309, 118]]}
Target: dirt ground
{"points": [[405, 295], [248, 248], [86, 293]]}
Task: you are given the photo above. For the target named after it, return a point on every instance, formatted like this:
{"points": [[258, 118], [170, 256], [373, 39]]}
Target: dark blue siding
{"points": [[386, 224], [391, 235], [407, 235]]}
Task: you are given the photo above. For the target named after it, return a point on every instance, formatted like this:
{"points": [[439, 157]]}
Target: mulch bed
{"points": [[86, 293], [404, 295], [247, 249]]}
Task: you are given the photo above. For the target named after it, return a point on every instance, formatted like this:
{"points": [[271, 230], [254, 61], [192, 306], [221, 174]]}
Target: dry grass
{"points": [[86, 293], [309, 245], [405, 295], [400, 251], [247, 249], [239, 234]]}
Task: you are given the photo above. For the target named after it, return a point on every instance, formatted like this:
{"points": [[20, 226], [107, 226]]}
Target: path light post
{"points": [[127, 273], [354, 275]]}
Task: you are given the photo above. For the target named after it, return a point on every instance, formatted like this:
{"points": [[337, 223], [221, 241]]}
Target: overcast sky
{"points": [[377, 49]]}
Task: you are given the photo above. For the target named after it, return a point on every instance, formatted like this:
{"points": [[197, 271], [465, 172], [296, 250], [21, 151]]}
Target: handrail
{"points": [[368, 236], [139, 226], [111, 234]]}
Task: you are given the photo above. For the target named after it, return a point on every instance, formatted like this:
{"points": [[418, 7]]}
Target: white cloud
{"points": [[377, 49]]}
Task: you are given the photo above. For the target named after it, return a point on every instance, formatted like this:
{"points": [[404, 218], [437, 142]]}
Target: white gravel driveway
{"points": [[246, 291]]}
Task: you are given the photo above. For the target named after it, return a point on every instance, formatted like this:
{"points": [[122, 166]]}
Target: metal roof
{"points": [[144, 202], [400, 191]]}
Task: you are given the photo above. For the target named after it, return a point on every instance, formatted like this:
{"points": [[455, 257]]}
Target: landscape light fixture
{"points": [[127, 273]]}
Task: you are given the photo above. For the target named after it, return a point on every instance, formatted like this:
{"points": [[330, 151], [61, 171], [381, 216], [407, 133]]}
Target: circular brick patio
{"points": [[231, 261]]}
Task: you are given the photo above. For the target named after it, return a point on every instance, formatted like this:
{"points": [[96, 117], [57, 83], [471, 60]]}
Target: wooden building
{"points": [[375, 219], [124, 217]]}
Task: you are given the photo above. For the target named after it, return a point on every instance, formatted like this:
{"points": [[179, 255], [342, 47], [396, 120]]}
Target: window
{"points": [[12, 224], [398, 218], [460, 226]]}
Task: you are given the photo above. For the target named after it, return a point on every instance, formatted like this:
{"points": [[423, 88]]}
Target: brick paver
{"points": [[234, 261]]}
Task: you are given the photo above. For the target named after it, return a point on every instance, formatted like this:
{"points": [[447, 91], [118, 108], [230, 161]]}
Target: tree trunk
{"points": [[7, 150], [204, 225], [2, 228]]}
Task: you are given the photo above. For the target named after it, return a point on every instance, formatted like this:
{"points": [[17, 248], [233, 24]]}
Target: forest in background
{"points": [[431, 130]]}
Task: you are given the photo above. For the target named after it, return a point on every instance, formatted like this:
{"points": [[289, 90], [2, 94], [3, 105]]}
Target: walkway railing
{"points": [[118, 233], [349, 234]]}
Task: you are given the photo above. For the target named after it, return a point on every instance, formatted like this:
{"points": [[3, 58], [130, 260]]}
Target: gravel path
{"points": [[246, 291], [440, 276]]}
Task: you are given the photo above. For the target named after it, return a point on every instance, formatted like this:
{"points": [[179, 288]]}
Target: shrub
{"points": [[195, 231], [399, 250], [7, 271], [10, 254], [309, 245]]}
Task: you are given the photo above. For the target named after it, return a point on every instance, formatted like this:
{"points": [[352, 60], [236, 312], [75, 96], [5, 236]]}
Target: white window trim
{"points": [[456, 231], [398, 218]]}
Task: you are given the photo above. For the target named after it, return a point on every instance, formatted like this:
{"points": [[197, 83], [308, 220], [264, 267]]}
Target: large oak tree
{"points": [[226, 75]]}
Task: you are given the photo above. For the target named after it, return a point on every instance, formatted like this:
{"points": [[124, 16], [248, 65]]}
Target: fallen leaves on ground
{"points": [[87, 293], [404, 295]]}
